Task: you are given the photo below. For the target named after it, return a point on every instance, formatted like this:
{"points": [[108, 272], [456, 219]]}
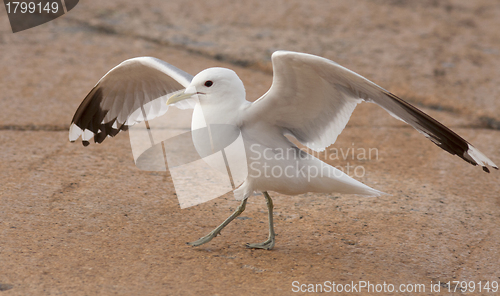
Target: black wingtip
{"points": [[85, 143], [98, 138], [486, 169]]}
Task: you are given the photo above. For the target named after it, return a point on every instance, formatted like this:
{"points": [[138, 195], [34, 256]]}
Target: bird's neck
{"points": [[209, 114]]}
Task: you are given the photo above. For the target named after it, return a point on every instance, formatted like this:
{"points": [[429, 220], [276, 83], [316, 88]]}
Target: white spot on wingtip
{"points": [[87, 135], [480, 158], [74, 132]]}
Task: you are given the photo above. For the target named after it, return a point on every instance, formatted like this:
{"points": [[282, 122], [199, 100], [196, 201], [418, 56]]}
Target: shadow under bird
{"points": [[311, 98]]}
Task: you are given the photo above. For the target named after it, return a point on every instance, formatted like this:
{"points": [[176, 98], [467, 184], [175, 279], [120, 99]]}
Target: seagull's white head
{"points": [[213, 86]]}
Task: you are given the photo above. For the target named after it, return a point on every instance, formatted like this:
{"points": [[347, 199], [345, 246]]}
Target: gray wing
{"points": [[312, 98], [134, 91]]}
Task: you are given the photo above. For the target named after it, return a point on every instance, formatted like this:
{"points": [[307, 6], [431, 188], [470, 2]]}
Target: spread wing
{"points": [[312, 98], [134, 91]]}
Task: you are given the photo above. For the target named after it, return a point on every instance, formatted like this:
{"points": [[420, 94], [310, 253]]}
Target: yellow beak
{"points": [[179, 97]]}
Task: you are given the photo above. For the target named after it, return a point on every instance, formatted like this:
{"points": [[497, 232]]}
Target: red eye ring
{"points": [[208, 83]]}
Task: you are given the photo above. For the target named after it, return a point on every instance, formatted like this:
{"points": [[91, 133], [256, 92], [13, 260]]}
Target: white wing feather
{"points": [[134, 91], [312, 98]]}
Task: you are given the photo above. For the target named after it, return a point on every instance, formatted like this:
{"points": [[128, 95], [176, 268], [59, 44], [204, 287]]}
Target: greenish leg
{"points": [[217, 230], [269, 243]]}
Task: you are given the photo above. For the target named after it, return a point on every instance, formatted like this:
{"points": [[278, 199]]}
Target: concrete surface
{"points": [[80, 220]]}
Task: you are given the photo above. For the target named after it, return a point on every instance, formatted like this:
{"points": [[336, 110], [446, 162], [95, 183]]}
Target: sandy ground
{"points": [[80, 220]]}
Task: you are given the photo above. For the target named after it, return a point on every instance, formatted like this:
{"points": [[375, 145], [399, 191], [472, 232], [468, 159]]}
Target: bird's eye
{"points": [[208, 83]]}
